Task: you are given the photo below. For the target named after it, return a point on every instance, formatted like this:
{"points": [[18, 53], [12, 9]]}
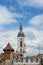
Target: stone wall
{"points": [[8, 62]]}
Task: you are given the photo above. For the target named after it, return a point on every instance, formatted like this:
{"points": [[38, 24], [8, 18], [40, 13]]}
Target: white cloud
{"points": [[8, 36], [11, 36], [32, 51], [7, 17], [34, 42], [37, 21], [34, 3], [12, 8]]}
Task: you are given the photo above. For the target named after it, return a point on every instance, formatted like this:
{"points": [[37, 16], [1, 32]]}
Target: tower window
{"points": [[20, 43], [20, 50]]}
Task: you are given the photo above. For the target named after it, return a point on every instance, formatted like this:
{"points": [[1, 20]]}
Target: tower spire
{"points": [[20, 27]]}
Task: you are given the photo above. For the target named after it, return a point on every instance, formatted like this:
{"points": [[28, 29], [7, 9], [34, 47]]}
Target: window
{"points": [[20, 43], [21, 50]]}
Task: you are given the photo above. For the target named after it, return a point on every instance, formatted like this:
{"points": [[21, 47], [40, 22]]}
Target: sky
{"points": [[30, 14]]}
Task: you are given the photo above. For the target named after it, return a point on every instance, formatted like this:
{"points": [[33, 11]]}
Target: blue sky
{"points": [[30, 13], [26, 11]]}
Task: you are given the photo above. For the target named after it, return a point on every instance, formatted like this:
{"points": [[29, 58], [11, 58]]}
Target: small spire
{"points": [[20, 26]]}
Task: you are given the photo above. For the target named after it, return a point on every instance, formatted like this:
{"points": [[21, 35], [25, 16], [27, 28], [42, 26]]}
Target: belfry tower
{"points": [[20, 41]]}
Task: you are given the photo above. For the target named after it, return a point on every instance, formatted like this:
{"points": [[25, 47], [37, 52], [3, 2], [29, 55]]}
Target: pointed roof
{"points": [[20, 26], [20, 34], [8, 47]]}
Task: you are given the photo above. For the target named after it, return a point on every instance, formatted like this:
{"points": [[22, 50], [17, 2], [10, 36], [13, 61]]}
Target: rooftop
{"points": [[8, 48]]}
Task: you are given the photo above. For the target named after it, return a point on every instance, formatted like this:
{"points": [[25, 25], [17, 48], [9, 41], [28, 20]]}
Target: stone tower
{"points": [[20, 41]]}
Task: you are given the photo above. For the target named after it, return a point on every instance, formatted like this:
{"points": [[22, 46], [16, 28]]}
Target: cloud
{"points": [[7, 17], [33, 3], [37, 21], [12, 8], [8, 36], [11, 36], [33, 44], [30, 35], [32, 51]]}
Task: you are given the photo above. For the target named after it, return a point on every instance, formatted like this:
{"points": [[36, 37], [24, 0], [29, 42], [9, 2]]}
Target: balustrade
{"points": [[22, 60]]}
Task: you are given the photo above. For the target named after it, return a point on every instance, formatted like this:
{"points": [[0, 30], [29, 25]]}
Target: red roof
{"points": [[15, 55], [38, 56], [8, 47]]}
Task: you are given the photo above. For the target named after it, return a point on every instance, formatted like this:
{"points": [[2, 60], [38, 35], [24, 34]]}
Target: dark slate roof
{"points": [[21, 34]]}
